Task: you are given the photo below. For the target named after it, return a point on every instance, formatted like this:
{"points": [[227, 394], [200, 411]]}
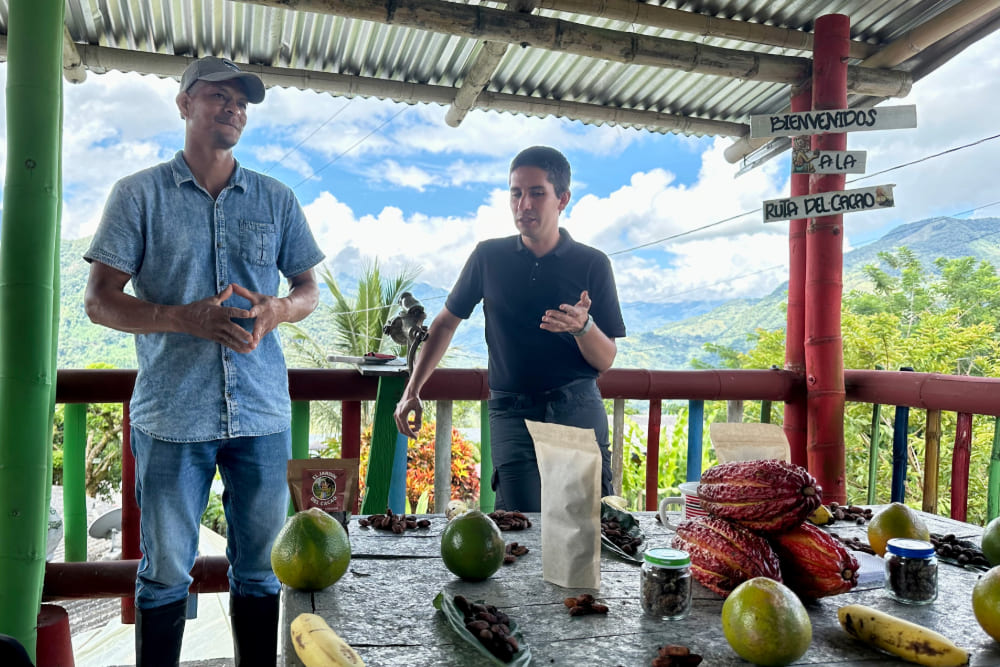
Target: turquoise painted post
{"points": [[74, 481], [696, 420], [397, 482], [487, 498]]}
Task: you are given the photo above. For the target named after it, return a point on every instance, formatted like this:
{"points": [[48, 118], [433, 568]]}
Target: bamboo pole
{"points": [[873, 447], [932, 461], [442, 455], [795, 355], [661, 16], [74, 481], [481, 22], [28, 262], [824, 354], [618, 445]]}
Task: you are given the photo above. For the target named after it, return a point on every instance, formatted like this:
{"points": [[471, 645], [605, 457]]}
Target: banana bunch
{"points": [[821, 516], [909, 641], [317, 645]]}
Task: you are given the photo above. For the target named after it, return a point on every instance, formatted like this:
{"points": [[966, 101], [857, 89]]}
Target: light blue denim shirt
{"points": [[179, 245]]}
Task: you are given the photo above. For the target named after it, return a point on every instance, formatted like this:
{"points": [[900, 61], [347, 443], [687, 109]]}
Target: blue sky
{"points": [[394, 182]]}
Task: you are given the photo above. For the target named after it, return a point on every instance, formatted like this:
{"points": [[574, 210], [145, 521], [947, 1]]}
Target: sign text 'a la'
{"points": [[828, 162], [829, 203]]}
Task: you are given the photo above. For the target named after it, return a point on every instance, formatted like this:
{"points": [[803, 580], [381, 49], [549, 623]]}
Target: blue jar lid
{"points": [[903, 546], [667, 557]]}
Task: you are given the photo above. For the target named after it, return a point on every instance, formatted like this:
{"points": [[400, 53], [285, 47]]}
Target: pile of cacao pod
{"points": [[756, 527]]}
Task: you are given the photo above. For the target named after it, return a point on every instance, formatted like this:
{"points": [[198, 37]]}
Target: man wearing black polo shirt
{"points": [[552, 316]]}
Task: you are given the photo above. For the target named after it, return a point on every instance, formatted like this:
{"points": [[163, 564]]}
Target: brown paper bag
{"points": [[569, 462], [749, 441]]}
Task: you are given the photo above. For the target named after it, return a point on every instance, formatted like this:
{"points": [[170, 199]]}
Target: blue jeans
{"points": [[515, 468], [172, 484]]}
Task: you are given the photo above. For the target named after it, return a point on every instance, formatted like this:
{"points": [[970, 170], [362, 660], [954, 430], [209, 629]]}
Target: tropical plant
{"points": [[420, 467]]}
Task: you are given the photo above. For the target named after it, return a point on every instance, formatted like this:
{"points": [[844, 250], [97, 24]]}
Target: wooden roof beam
{"points": [[481, 22], [658, 16], [102, 58], [73, 69], [479, 73]]}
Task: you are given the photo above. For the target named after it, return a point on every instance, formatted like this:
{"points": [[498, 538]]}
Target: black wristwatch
{"points": [[585, 328]]}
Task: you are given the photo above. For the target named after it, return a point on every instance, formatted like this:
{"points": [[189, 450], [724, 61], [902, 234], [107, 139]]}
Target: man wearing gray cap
{"points": [[204, 243]]}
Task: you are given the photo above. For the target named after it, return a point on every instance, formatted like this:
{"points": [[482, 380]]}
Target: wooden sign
{"points": [[829, 203], [828, 162], [834, 120]]}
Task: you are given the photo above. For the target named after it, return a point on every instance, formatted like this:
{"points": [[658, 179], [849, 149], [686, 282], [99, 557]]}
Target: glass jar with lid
{"points": [[665, 589], [911, 570]]}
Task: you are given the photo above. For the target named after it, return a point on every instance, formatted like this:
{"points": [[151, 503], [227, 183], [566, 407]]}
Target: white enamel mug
{"points": [[688, 500]]}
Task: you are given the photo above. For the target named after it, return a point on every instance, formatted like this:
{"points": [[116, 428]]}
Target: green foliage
{"points": [[214, 517], [945, 322]]}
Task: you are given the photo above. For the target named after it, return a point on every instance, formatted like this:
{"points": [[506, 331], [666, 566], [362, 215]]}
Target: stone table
{"points": [[383, 607]]}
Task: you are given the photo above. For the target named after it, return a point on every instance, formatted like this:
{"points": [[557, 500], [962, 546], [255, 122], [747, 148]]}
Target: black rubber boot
{"points": [[255, 630], [158, 635]]}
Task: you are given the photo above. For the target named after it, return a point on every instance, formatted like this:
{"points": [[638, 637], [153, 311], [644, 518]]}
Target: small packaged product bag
{"points": [[569, 462], [329, 484]]}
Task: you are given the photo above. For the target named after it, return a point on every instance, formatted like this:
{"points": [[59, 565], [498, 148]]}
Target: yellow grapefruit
{"points": [[766, 623], [311, 552], [896, 520], [986, 602], [472, 546]]}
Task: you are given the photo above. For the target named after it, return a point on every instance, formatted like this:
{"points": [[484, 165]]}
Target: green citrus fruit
{"points": [[311, 552], [766, 623], [472, 546], [896, 520], [986, 602], [991, 542]]}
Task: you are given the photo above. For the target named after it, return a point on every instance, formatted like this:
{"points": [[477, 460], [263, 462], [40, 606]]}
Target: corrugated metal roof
{"points": [[372, 58]]}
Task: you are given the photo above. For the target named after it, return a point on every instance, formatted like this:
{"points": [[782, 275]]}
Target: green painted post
{"points": [[28, 263], [765, 412], [383, 451], [300, 437], [487, 497], [993, 486], [74, 481]]}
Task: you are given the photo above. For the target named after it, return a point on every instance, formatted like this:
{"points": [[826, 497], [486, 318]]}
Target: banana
{"points": [[909, 641], [616, 502], [821, 516], [454, 508], [317, 645]]}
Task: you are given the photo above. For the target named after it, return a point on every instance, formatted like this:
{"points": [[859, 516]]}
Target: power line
{"points": [[350, 148], [924, 159], [309, 136]]}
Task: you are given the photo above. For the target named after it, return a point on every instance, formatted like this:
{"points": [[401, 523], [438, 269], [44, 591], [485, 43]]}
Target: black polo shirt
{"points": [[516, 289]]}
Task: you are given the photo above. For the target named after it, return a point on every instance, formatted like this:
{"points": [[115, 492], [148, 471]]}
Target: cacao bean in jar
{"points": [[911, 571], [665, 588]]}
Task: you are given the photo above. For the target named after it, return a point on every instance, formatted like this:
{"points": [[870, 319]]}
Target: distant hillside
{"points": [[664, 336]]}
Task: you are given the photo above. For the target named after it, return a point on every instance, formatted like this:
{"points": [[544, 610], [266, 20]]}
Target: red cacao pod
{"points": [[813, 563], [724, 554], [765, 496]]}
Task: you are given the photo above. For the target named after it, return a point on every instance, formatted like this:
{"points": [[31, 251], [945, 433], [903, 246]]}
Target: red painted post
{"points": [[795, 355], [653, 457], [130, 509], [824, 352], [960, 466], [350, 436]]}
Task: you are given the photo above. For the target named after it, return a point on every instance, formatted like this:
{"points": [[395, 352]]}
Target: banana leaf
{"points": [[630, 525], [456, 619]]}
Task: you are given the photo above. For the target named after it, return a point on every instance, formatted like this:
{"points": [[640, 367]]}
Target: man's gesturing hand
{"points": [[406, 424], [209, 319], [267, 311], [568, 319]]}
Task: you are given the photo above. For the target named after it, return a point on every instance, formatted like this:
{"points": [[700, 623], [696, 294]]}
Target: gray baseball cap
{"points": [[211, 68]]}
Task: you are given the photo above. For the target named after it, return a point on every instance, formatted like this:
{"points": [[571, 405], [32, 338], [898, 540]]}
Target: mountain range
{"points": [[660, 335]]}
